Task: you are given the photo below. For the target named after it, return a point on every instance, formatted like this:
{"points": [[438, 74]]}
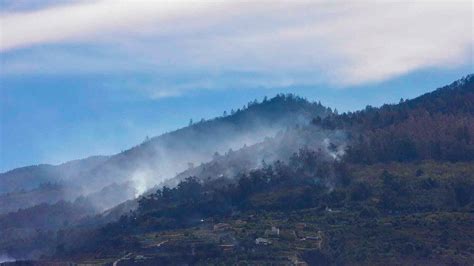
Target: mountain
{"points": [[158, 158], [388, 185], [28, 186], [386, 200], [108, 181], [278, 148], [438, 125], [163, 157], [31, 177], [45, 193]]}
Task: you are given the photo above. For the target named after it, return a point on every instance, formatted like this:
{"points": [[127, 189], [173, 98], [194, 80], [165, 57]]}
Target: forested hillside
{"points": [[163, 157], [104, 182], [438, 125], [157, 158], [390, 185]]}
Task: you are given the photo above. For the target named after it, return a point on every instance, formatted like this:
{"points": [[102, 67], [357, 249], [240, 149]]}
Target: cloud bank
{"points": [[241, 43]]}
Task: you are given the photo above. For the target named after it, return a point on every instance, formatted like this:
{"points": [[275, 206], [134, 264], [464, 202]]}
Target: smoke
{"points": [[335, 151], [329, 143], [142, 180], [169, 163], [107, 181], [6, 258], [222, 147]]}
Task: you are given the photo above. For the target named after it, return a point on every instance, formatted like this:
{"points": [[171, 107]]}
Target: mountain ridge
{"points": [[144, 165], [376, 174]]}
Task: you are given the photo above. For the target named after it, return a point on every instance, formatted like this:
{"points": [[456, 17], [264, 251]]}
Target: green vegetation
{"points": [[402, 194], [392, 213]]}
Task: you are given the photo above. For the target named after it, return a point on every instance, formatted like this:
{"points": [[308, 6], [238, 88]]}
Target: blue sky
{"points": [[80, 78]]}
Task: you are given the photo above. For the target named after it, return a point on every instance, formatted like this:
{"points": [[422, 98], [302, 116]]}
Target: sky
{"points": [[88, 77]]}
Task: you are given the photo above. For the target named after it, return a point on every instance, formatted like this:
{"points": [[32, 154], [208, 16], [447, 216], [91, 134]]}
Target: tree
{"points": [[405, 150], [360, 191], [189, 190], [167, 194], [463, 192]]}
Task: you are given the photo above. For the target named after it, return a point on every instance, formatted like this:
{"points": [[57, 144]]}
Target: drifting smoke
{"points": [[336, 152], [331, 144], [105, 181], [142, 180], [172, 163], [5, 258], [110, 185]]}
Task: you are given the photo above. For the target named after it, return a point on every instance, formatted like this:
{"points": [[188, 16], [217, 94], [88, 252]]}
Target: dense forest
{"points": [[390, 185], [438, 126], [396, 212]]}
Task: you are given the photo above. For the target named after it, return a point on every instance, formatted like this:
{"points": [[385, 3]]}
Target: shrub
{"points": [[360, 191]]}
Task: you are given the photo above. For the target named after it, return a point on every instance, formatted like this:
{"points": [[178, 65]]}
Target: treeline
{"points": [[437, 125], [310, 180], [309, 174], [192, 200]]}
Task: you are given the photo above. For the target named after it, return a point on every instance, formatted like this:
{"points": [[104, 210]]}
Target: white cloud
{"points": [[281, 42], [82, 20]]}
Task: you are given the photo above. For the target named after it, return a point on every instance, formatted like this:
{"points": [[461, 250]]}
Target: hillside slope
{"points": [[403, 206], [361, 188], [159, 158], [31, 177], [164, 156], [437, 125]]}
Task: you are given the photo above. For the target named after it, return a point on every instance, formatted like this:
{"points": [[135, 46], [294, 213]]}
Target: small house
{"points": [[263, 241], [275, 231]]}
